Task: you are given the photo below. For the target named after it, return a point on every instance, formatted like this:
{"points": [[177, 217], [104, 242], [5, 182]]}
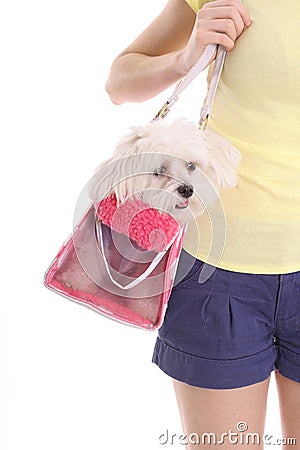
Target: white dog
{"points": [[170, 166]]}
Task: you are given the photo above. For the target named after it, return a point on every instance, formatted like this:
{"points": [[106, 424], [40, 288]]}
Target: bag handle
{"points": [[154, 263], [200, 65]]}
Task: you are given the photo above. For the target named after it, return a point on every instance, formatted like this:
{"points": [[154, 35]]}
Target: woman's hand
{"points": [[217, 22]]}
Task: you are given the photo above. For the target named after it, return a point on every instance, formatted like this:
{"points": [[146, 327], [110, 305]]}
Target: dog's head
{"points": [[170, 166]]}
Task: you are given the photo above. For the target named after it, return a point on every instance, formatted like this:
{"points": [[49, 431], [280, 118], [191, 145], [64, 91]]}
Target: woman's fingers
{"points": [[218, 22], [224, 26], [236, 4], [227, 13], [223, 39]]}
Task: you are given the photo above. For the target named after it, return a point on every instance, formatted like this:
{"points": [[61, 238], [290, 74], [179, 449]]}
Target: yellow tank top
{"points": [[257, 107]]}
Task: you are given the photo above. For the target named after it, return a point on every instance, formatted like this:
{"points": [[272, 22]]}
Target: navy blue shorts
{"points": [[232, 330]]}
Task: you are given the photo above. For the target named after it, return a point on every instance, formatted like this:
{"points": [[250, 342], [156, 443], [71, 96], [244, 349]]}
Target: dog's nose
{"points": [[186, 190]]}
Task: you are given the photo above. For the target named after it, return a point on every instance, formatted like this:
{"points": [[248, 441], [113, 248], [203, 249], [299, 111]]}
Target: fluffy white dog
{"points": [[173, 167]]}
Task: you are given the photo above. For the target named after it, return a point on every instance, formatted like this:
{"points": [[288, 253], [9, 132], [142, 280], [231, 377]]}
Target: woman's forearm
{"points": [[135, 77], [175, 41]]}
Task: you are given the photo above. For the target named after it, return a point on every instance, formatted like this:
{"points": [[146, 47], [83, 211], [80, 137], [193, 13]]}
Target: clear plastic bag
{"points": [[104, 270]]}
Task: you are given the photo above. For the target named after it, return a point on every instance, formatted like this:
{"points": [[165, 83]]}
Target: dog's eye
{"points": [[191, 165], [160, 171]]}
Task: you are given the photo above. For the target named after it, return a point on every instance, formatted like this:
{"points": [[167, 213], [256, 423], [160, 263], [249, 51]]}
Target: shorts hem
{"points": [[214, 373], [288, 364]]}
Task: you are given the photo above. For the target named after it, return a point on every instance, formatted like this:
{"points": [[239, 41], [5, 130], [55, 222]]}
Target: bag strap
{"points": [[154, 263], [198, 67]]}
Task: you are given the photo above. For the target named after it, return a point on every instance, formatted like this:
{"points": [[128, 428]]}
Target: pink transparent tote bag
{"points": [[91, 269]]}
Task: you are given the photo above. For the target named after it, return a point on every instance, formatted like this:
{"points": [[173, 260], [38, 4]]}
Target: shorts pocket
{"points": [[187, 272]]}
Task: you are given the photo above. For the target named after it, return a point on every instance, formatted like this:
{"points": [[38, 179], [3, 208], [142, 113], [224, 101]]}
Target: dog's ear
{"points": [[223, 158], [100, 183], [106, 178], [128, 144]]}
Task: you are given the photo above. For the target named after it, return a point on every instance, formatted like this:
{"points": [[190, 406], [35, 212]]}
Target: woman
{"points": [[221, 340]]}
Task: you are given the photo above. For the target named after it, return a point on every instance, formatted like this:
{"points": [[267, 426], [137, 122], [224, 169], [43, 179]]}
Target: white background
{"points": [[70, 379]]}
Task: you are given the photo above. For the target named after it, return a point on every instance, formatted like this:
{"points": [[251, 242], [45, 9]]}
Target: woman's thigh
{"points": [[229, 418], [289, 403]]}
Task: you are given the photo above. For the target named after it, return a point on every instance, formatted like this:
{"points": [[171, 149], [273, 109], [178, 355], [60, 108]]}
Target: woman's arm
{"points": [[166, 50]]}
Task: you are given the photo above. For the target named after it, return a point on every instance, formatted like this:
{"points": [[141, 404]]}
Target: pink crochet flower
{"points": [[148, 227]]}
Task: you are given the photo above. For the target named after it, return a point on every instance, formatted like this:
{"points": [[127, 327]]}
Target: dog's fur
{"points": [[140, 157]]}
